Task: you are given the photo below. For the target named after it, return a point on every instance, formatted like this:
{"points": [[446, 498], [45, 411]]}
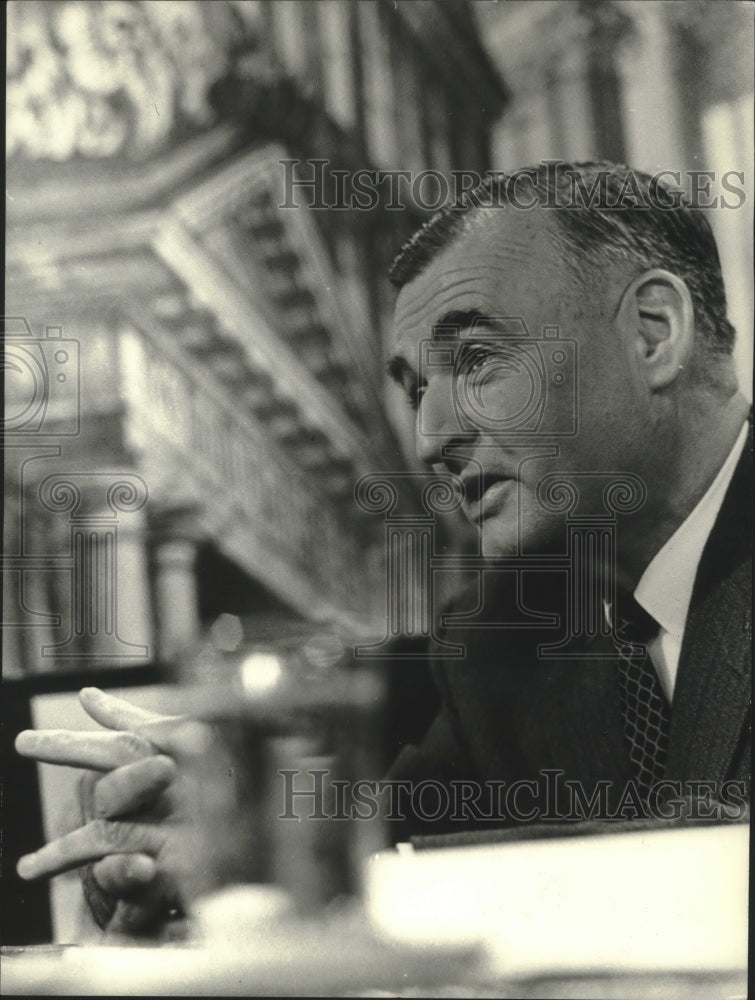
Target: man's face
{"points": [[502, 409]]}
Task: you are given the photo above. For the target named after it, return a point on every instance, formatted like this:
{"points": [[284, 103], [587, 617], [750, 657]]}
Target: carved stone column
{"points": [[107, 569], [175, 542], [572, 100], [649, 91], [134, 599]]}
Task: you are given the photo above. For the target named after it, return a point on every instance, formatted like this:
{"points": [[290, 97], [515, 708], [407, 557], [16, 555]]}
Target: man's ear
{"points": [[656, 320]]}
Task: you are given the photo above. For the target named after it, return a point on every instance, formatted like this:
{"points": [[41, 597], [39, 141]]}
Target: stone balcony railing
{"points": [[196, 448]]}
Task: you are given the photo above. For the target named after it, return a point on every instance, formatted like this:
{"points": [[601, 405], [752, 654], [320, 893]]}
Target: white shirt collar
{"points": [[665, 588]]}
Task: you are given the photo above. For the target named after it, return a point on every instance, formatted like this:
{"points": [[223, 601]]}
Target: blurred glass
{"points": [[269, 768]]}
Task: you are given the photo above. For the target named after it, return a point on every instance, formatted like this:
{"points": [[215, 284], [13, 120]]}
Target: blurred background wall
{"points": [[170, 325]]}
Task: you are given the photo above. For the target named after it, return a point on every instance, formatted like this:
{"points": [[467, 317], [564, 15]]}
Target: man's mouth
{"points": [[483, 493]]}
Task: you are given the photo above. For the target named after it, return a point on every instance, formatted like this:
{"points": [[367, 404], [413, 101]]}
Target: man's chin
{"points": [[498, 539]]}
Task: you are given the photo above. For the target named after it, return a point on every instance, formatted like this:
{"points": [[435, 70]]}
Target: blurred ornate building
{"points": [[194, 373]]}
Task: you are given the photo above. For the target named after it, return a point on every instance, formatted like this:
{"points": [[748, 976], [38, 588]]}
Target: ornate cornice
{"points": [[246, 196], [262, 346], [45, 191], [74, 264]]}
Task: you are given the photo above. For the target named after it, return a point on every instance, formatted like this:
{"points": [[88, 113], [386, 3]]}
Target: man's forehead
{"points": [[482, 270]]}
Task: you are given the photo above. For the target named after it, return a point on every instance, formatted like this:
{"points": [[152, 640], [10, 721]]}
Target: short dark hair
{"points": [[603, 211]]}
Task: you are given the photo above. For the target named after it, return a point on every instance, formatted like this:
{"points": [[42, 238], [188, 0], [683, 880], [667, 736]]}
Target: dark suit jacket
{"points": [[507, 715]]}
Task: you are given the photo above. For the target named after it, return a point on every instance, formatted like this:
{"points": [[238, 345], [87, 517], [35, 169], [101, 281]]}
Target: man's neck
{"points": [[701, 450]]}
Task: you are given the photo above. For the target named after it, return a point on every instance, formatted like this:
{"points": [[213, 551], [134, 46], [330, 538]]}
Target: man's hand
{"points": [[130, 811]]}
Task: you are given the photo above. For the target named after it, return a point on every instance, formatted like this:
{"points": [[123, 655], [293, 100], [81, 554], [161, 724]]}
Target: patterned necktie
{"points": [[646, 712]]}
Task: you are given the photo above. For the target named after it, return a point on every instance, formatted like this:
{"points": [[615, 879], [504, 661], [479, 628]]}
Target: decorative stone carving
{"points": [[107, 77]]}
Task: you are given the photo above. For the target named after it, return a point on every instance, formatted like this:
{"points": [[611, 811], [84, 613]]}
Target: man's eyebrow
{"points": [[397, 367], [463, 319], [449, 324]]}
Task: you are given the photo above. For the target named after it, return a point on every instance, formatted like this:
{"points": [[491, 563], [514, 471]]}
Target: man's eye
{"points": [[483, 360]]}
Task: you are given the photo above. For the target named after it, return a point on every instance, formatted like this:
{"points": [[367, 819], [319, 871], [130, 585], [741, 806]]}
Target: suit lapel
{"points": [[712, 697]]}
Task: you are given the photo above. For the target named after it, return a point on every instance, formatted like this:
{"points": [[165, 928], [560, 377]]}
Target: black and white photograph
{"points": [[377, 535]]}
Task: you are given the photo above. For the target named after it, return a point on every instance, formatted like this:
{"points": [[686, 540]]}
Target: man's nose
{"points": [[439, 422]]}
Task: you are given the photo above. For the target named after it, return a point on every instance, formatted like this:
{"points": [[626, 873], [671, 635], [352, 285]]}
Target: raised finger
{"points": [[89, 843], [178, 736], [125, 789], [95, 750], [115, 713], [124, 874]]}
